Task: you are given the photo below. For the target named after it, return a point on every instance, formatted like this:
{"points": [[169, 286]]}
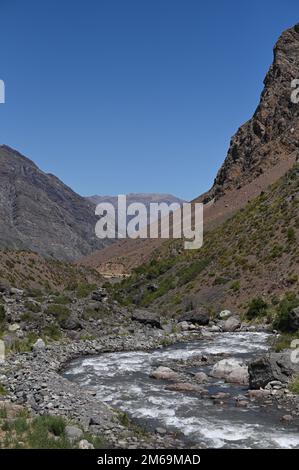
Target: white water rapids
{"points": [[122, 380]]}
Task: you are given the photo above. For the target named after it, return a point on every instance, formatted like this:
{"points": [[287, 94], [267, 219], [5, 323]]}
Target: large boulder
{"points": [[146, 317], [293, 319], [231, 370], [199, 316], [39, 346], [165, 373], [225, 314], [71, 322], [271, 367], [232, 324]]}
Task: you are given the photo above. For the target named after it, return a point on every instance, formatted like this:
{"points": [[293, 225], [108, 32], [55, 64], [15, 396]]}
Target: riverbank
{"points": [[35, 380]]}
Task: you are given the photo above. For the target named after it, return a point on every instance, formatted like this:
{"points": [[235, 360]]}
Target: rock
{"points": [[164, 373], [241, 404], [232, 324], [146, 317], [225, 314], [220, 396], [73, 433], [271, 367], [185, 326], [287, 418], [4, 287], [72, 322], [39, 346], [161, 431], [293, 319], [15, 291], [199, 316], [14, 327], [185, 387], [275, 385], [215, 329], [201, 377], [99, 295], [231, 370], [84, 444]]}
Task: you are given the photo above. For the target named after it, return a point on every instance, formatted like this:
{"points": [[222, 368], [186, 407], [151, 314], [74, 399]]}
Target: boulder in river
{"points": [[231, 370], [271, 367], [199, 316], [164, 373], [146, 317], [232, 324]]}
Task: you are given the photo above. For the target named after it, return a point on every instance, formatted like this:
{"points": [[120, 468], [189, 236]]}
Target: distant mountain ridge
{"points": [[40, 213]]}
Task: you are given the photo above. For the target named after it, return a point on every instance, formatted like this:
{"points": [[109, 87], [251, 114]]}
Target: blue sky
{"points": [[118, 96]]}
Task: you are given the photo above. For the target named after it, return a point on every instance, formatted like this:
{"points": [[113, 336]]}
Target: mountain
{"points": [[272, 134], [254, 253], [261, 151], [40, 213]]}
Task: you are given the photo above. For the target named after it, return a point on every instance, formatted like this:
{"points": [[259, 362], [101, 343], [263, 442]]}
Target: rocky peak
{"points": [[272, 134]]}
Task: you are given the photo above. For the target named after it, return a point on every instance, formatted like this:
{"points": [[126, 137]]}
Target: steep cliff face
{"points": [[38, 212], [273, 132]]}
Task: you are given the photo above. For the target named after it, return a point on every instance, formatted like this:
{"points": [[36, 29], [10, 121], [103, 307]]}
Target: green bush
{"points": [[281, 321], [257, 307], [2, 313], [35, 308], [83, 290], [294, 385], [60, 312]]}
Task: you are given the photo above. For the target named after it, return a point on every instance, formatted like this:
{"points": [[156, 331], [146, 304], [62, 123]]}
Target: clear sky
{"points": [[119, 96]]}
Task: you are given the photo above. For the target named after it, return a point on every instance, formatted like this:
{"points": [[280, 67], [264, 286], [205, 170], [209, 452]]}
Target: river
{"points": [[122, 380]]}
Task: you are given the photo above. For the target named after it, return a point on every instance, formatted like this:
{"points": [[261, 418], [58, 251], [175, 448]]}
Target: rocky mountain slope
{"points": [[256, 247], [40, 213], [272, 134], [261, 151]]}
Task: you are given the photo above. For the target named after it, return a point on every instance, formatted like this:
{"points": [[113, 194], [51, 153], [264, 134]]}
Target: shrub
{"points": [[291, 234], [257, 307], [59, 311], [2, 313], [281, 321], [83, 290], [35, 308], [294, 385]]}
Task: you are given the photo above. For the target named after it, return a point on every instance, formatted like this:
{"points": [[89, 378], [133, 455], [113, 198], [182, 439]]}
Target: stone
{"points": [[199, 316], [72, 322], [39, 346], [287, 418], [84, 444], [164, 373], [201, 377], [232, 324], [161, 431], [271, 367], [225, 314], [15, 291], [293, 319], [14, 327], [231, 370], [146, 317], [185, 387], [73, 433]]}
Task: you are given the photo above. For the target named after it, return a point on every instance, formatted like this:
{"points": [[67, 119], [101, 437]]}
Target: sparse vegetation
{"points": [[257, 307]]}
